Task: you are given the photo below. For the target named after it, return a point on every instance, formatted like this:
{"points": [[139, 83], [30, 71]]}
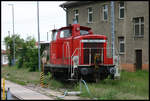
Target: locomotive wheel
{"points": [[59, 75], [76, 76], [112, 76], [103, 74], [96, 80], [88, 78], [96, 75]]}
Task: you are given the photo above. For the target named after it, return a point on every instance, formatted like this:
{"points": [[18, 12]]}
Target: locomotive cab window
{"points": [[65, 33], [84, 32]]}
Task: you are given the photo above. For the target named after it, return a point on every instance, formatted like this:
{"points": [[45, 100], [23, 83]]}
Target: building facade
{"points": [[131, 27]]}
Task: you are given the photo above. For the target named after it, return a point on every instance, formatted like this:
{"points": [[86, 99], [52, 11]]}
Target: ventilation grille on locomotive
{"points": [[94, 51]]}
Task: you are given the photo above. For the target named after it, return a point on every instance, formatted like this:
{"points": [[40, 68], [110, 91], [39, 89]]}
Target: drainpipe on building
{"points": [[113, 27], [116, 63]]}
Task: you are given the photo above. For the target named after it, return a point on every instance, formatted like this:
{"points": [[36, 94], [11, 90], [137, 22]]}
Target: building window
{"points": [[90, 15], [138, 26], [76, 15], [121, 45], [121, 10], [105, 12]]}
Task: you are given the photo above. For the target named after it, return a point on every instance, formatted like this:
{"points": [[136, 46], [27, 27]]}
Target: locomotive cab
{"points": [[75, 52]]}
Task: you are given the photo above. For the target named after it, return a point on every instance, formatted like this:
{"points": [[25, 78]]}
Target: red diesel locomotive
{"points": [[75, 53]]}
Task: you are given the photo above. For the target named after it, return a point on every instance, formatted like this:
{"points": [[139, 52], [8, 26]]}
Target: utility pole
{"points": [[112, 26], [38, 36], [13, 31]]}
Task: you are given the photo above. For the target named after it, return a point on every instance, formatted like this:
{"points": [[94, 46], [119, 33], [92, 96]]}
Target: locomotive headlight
{"points": [[78, 28], [76, 60]]}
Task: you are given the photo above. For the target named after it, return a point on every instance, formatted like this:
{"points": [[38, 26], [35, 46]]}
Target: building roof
{"points": [[75, 3]]}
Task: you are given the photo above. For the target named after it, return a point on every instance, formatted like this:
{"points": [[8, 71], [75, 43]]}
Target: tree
{"points": [[28, 55], [10, 47], [26, 52]]}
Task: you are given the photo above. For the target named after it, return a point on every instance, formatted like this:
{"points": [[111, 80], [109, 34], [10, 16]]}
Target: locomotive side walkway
{"points": [[23, 93]]}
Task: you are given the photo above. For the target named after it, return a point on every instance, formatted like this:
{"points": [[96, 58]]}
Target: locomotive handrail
{"points": [[90, 56], [77, 49], [67, 51]]}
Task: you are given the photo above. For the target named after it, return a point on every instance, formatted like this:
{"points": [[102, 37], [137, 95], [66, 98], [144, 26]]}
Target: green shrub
{"points": [[32, 64], [28, 55], [47, 78]]}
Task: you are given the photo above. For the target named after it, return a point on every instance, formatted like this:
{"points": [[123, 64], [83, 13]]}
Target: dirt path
{"points": [[53, 93]]}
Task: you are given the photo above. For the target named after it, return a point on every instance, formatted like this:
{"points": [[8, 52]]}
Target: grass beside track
{"points": [[21, 76], [132, 85]]}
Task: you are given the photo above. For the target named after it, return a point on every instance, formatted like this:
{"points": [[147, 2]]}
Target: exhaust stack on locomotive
{"points": [[75, 53]]}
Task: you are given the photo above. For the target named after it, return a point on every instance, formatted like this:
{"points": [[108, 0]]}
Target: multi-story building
{"points": [[131, 27]]}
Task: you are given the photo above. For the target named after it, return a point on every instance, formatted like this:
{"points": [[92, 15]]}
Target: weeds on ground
{"points": [[132, 85], [20, 76]]}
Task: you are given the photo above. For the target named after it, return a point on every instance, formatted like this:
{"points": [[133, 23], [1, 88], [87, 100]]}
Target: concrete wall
{"points": [[123, 27]]}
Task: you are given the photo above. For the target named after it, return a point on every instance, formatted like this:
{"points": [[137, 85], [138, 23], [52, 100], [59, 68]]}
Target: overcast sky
{"points": [[25, 18]]}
